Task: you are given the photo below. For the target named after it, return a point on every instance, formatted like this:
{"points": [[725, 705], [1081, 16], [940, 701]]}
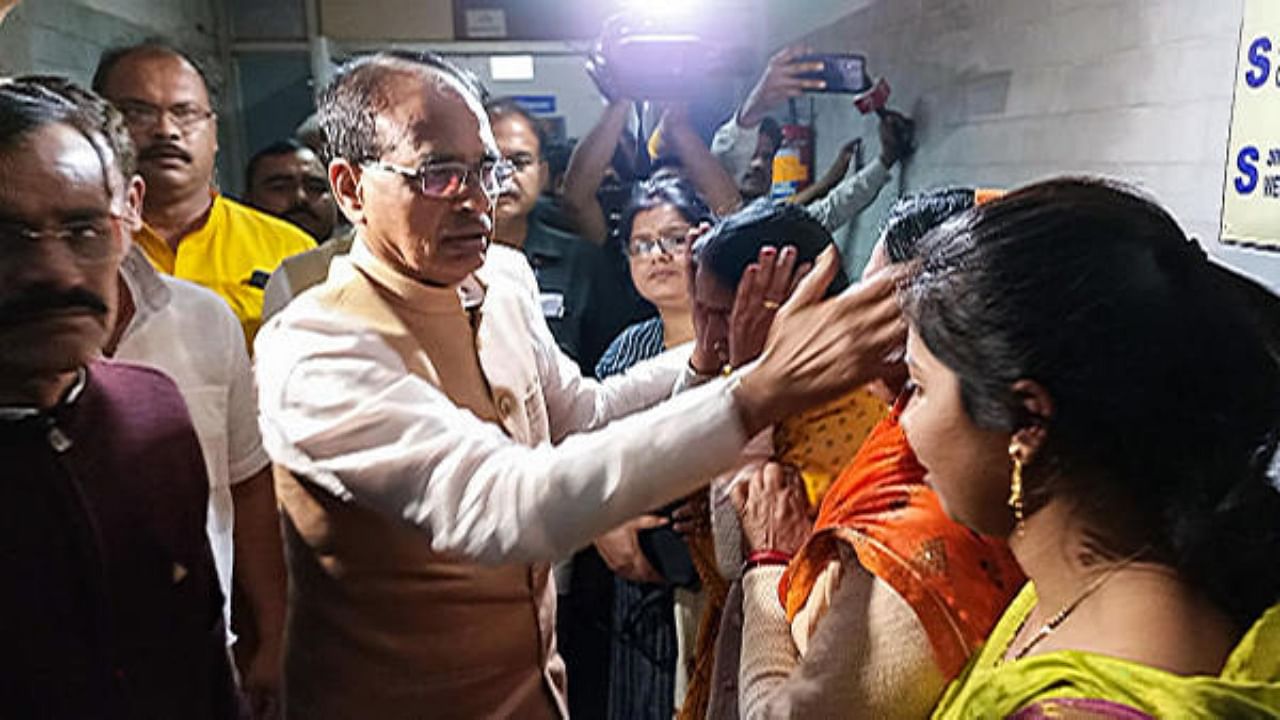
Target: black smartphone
{"points": [[842, 72], [667, 552]]}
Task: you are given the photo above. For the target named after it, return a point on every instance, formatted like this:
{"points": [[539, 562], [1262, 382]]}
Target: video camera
{"points": [[645, 57]]}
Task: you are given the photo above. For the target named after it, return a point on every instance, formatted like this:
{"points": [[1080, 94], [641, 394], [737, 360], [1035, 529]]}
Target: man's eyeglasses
{"points": [[145, 116], [448, 180], [641, 247], [91, 241]]}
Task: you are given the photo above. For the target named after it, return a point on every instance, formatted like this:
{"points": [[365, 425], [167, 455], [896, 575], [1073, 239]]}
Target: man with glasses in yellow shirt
{"points": [[190, 230]]}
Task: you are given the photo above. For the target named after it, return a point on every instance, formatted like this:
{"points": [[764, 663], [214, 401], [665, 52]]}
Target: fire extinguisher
{"points": [[793, 162]]}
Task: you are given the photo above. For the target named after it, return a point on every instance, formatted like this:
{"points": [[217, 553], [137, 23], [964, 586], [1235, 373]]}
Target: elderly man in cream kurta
{"points": [[434, 448]]}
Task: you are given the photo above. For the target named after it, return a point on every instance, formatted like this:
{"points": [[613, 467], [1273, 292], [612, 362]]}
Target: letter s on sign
{"points": [[1246, 162], [1257, 75]]}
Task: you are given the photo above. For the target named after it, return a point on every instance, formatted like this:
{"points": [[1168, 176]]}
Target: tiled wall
{"points": [[66, 37], [1007, 91]]}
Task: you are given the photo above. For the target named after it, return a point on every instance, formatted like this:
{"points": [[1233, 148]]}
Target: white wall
{"points": [[789, 19], [1008, 91], [561, 75]]}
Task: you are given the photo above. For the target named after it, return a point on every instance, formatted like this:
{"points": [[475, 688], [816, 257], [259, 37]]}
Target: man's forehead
{"points": [[156, 75], [427, 112], [514, 129], [55, 156], [299, 162], [309, 160]]}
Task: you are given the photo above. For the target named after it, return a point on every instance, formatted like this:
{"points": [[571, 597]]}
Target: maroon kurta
{"points": [[111, 605]]}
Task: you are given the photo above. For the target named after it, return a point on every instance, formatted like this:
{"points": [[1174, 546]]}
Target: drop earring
{"points": [[1015, 487]]}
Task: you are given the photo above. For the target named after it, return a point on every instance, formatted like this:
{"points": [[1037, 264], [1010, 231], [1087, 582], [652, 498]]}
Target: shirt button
{"points": [[505, 405]]}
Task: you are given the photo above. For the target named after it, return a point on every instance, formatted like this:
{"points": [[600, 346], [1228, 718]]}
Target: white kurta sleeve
{"points": [[850, 196], [245, 455], [578, 404], [733, 145], [338, 406]]}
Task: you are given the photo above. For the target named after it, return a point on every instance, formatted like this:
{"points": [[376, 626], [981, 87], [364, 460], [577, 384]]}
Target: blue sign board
{"points": [[537, 104]]}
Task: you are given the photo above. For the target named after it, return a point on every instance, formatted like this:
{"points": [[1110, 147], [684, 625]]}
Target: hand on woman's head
{"points": [[765, 286], [733, 325]]}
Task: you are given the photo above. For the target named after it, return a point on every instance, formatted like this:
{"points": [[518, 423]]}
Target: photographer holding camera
{"points": [[790, 74]]}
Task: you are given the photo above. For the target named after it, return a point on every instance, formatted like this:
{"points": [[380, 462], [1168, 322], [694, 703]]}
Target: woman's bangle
{"points": [[758, 558], [724, 371], [698, 373]]}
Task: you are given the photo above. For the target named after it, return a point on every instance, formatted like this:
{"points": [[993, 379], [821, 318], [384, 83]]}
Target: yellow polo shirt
{"points": [[232, 254]]}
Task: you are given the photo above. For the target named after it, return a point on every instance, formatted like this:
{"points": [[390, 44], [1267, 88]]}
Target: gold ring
{"points": [[771, 305]]}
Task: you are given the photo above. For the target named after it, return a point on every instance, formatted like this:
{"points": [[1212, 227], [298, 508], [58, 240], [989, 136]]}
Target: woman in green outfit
{"points": [[1090, 386]]}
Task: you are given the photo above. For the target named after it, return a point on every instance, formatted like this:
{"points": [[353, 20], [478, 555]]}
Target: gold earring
{"points": [[1015, 487]]}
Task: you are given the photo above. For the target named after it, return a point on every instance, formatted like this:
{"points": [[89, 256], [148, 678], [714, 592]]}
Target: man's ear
{"points": [[344, 178], [135, 193], [1037, 406]]}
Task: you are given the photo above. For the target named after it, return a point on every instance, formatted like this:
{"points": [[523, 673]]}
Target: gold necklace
{"points": [[1059, 617]]}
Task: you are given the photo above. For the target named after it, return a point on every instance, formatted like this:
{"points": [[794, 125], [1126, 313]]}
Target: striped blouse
{"points": [[637, 343], [642, 668]]}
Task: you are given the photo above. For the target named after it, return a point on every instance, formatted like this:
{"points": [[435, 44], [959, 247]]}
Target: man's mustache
{"points": [[161, 150], [40, 300]]}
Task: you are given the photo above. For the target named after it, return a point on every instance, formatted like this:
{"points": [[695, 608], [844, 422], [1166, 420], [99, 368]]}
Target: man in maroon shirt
{"points": [[111, 605]]}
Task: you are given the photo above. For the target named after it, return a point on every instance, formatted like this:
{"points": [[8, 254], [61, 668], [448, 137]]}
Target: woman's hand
{"points": [[773, 510], [820, 349], [694, 516], [620, 550], [765, 286]]}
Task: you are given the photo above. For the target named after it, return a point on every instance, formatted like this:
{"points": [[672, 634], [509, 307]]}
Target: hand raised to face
{"points": [[820, 349]]}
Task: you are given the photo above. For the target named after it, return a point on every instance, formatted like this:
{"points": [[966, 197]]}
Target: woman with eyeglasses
{"points": [[655, 226], [1089, 385], [654, 232]]}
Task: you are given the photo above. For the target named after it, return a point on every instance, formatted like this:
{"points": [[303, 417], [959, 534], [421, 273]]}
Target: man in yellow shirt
{"points": [[190, 230]]}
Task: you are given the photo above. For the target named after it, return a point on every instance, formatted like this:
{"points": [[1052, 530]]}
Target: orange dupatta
{"points": [[957, 582]]}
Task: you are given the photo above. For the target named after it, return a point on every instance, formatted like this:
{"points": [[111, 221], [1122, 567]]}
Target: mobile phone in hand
{"points": [[842, 72]]}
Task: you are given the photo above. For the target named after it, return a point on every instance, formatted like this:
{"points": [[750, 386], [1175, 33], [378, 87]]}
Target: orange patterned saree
{"points": [[957, 581]]}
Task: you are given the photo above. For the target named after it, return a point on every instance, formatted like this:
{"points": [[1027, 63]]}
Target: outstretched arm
{"points": [[859, 189], [587, 167], [708, 176], [831, 177]]}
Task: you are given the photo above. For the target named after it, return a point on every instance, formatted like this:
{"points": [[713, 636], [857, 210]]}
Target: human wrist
{"points": [[753, 401], [765, 557], [703, 365]]}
